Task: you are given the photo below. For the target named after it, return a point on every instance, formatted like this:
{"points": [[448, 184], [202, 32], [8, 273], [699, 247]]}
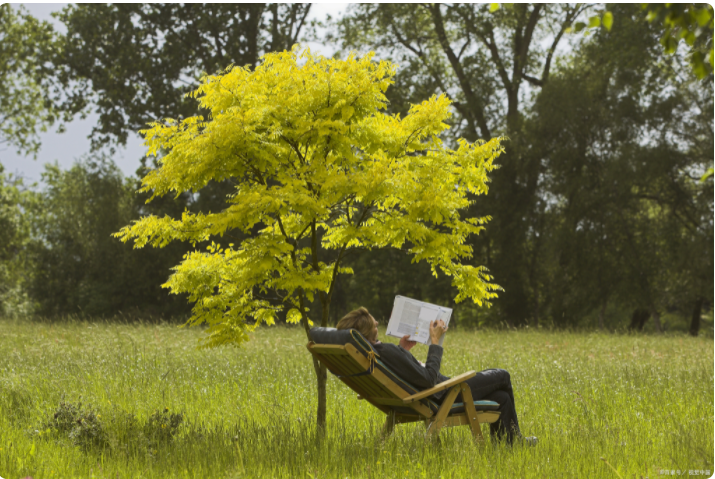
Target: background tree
{"points": [[316, 167], [485, 60], [139, 60], [14, 236], [25, 107], [78, 268], [599, 166], [624, 135]]}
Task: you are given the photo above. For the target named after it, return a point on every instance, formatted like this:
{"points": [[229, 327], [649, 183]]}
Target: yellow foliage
{"points": [[312, 153]]}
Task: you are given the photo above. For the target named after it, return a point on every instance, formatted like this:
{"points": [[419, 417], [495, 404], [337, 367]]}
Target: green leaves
{"points": [[25, 106], [317, 167], [15, 234], [595, 21], [690, 22], [578, 26]]}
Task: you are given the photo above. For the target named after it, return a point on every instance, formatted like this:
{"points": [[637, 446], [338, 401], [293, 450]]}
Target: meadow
{"points": [[111, 400]]}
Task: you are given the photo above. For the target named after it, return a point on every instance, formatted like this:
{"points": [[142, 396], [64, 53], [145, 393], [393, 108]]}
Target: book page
{"points": [[410, 316]]}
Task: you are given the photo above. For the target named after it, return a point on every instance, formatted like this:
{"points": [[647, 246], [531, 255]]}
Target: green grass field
{"points": [[602, 405]]}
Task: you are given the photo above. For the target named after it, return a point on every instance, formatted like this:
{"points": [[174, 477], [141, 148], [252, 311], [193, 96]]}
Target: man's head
{"points": [[361, 320]]}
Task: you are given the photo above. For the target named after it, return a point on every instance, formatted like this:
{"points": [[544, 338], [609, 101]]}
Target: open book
{"points": [[412, 317]]}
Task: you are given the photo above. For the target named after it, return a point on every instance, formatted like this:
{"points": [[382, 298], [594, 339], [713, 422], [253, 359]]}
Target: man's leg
{"points": [[507, 422], [495, 385]]}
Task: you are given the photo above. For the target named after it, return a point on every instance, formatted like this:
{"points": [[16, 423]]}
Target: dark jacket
{"points": [[404, 364]]}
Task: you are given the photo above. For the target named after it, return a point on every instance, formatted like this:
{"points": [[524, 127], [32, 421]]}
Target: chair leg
{"points": [[435, 426], [471, 413], [389, 426]]}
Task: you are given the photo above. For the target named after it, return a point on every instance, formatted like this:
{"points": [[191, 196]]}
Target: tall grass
{"points": [[642, 403]]}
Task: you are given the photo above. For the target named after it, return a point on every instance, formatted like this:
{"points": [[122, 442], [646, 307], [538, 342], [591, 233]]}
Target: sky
{"points": [[67, 147]]}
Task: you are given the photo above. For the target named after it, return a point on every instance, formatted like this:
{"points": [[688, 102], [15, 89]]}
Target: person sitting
{"points": [[490, 384]]}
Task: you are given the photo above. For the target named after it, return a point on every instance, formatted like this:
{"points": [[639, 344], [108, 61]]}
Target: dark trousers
{"points": [[495, 385]]}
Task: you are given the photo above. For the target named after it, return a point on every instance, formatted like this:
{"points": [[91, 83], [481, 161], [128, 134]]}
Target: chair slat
{"points": [[388, 401], [369, 383], [461, 419], [329, 349], [388, 386], [346, 365]]}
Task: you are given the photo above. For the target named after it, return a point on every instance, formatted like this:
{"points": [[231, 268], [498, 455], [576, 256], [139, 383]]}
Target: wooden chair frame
{"points": [[382, 392]]}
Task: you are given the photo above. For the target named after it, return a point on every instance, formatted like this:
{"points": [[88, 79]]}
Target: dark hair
{"points": [[359, 319]]}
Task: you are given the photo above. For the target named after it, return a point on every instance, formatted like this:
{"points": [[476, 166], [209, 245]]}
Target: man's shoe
{"points": [[529, 440]]}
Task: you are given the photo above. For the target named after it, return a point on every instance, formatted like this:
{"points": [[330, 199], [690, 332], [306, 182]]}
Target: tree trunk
{"points": [[252, 26], [634, 321], [320, 369], [656, 320], [639, 318], [602, 315], [322, 375], [695, 320]]}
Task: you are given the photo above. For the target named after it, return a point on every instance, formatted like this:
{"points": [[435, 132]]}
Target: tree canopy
{"points": [[317, 167]]}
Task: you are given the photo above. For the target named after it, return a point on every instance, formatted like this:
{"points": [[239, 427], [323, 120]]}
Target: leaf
{"points": [[579, 26], [608, 20], [701, 71], [493, 7], [703, 15], [347, 112], [670, 44], [294, 316], [594, 21]]}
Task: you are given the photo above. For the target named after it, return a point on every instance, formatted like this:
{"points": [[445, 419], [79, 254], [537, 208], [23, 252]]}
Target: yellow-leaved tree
{"points": [[317, 166]]}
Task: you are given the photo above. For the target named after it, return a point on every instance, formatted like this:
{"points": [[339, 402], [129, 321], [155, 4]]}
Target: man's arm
{"points": [[408, 368]]}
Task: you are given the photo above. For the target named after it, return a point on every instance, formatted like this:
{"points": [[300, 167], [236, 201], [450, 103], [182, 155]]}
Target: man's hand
{"points": [[406, 343], [436, 330]]}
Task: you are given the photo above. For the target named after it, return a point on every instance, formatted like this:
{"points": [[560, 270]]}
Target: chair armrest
{"points": [[440, 387]]}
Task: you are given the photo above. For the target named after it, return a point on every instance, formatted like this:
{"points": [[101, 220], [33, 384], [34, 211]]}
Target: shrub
{"points": [[82, 426]]}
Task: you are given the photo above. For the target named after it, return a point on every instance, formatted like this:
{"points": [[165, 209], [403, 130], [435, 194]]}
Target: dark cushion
{"points": [[342, 336], [482, 405], [352, 336]]}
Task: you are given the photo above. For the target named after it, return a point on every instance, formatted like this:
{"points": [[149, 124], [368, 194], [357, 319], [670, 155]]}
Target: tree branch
{"points": [[547, 65], [300, 25], [522, 44], [476, 108], [419, 54], [496, 58], [532, 80]]}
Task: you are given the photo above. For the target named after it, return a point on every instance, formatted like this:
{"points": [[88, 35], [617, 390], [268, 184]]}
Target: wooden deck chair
{"points": [[349, 356]]}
